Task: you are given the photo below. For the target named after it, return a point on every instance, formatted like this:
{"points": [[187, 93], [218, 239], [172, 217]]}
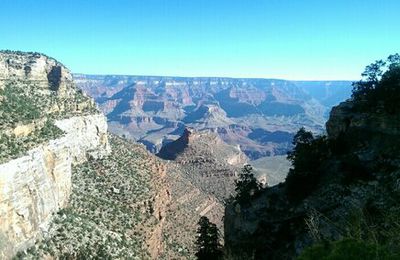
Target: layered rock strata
{"points": [[35, 186]]}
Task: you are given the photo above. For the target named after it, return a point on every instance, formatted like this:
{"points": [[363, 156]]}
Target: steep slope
{"points": [[117, 209], [201, 172], [208, 162], [188, 203], [65, 194], [131, 204], [154, 110]]}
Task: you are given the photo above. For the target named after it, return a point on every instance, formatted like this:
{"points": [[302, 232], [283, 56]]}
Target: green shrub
{"points": [[17, 107], [346, 249]]}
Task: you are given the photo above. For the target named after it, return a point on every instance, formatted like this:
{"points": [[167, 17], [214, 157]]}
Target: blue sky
{"points": [[290, 39]]}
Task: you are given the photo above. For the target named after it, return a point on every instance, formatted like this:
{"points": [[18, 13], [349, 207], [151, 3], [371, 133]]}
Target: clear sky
{"points": [[290, 39]]}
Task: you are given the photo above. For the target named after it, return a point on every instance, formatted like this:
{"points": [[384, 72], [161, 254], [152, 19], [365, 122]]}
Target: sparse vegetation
{"points": [[13, 147], [16, 106], [108, 214], [32, 104]]}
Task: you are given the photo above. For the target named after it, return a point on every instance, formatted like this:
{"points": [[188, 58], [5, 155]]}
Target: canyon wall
{"points": [[47, 125], [259, 115], [35, 186]]}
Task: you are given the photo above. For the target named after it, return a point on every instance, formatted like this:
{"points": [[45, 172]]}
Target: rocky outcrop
{"points": [[374, 135], [172, 150], [87, 136], [344, 119], [35, 67], [357, 174], [192, 145], [209, 162], [35, 186], [201, 169]]}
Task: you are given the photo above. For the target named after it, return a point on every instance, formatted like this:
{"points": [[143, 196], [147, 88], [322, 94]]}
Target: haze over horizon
{"points": [[290, 40]]}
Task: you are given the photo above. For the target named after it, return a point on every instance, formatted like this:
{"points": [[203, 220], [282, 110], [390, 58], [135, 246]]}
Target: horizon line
{"points": [[216, 77]]}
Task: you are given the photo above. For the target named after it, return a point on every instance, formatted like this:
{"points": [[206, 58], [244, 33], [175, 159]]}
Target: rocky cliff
{"points": [[47, 126], [35, 67], [65, 194], [117, 209], [35, 186], [342, 187]]}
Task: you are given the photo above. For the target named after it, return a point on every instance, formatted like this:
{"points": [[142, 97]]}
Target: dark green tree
{"points": [[379, 90], [208, 240], [393, 60], [388, 90], [306, 157], [362, 89], [246, 185], [301, 141]]}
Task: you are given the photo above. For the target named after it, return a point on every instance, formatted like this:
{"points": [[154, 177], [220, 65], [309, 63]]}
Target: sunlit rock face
{"points": [[38, 183], [35, 67], [35, 186]]}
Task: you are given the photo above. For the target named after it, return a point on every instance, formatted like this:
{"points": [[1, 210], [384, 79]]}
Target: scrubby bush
{"points": [[364, 233], [12, 147], [16, 107]]}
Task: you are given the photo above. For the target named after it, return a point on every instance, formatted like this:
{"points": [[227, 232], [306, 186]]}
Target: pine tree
{"points": [[208, 241], [246, 185], [379, 88]]}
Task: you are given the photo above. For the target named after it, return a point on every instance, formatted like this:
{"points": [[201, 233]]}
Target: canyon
{"points": [[131, 175], [69, 188], [258, 115]]}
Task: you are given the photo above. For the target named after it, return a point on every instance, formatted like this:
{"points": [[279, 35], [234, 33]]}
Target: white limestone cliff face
{"points": [[35, 186]]}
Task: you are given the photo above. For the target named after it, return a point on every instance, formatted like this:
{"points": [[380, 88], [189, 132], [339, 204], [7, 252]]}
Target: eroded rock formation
{"points": [[35, 180], [260, 115]]}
